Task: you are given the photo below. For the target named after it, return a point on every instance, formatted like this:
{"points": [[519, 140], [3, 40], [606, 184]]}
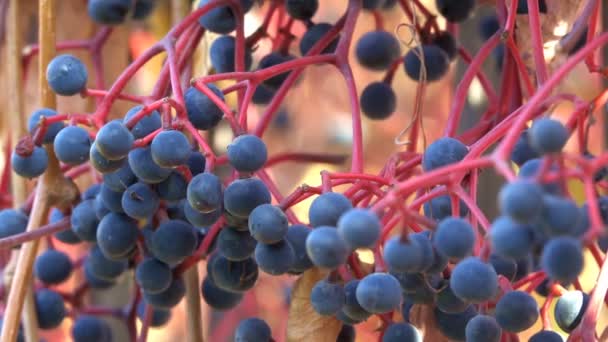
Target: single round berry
{"points": [[401, 332], [522, 200], [145, 168], [510, 239], [268, 224], [276, 258], [377, 50], [327, 298], [403, 255], [153, 276], [483, 328], [474, 281], [562, 259], [114, 140], [203, 113], [52, 267], [454, 238], [359, 228], [170, 149], [117, 235], [146, 125], [244, 195], [379, 293], [314, 34], [72, 145], [516, 311], [139, 201], [301, 9], [326, 248], [252, 330], [173, 241], [30, 166], [326, 209], [222, 53], [67, 75], [50, 309], [12, 222], [443, 152], [221, 19], [436, 63], [546, 336], [455, 10], [204, 192], [91, 329], [247, 153], [548, 136], [109, 12], [378, 101], [51, 130], [569, 309]]}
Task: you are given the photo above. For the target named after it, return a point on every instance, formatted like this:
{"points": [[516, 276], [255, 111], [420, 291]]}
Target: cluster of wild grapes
{"points": [[159, 207]]}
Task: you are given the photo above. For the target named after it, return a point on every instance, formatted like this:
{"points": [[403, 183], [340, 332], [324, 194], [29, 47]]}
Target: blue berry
{"points": [[327, 298], [146, 125], [222, 53], [436, 63], [454, 238], [30, 166], [483, 328], [379, 293], [247, 153], [516, 311], [474, 281], [114, 140], [359, 228], [376, 50], [522, 200], [442, 152], [51, 130], [548, 136], [203, 113], [67, 75], [510, 239], [268, 224], [326, 248], [72, 145], [562, 259], [109, 12], [170, 149], [378, 101], [326, 209]]}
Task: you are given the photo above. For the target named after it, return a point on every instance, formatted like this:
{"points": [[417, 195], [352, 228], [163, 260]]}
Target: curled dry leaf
{"points": [[304, 324]]}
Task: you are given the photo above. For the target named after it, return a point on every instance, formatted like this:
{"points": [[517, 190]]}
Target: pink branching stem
{"points": [[306, 158], [52, 228], [485, 82], [465, 82], [276, 193], [143, 333], [473, 208], [586, 330], [537, 42], [507, 144]]}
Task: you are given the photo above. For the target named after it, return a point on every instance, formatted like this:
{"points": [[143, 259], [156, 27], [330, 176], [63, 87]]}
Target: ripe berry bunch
{"points": [[160, 205]]}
